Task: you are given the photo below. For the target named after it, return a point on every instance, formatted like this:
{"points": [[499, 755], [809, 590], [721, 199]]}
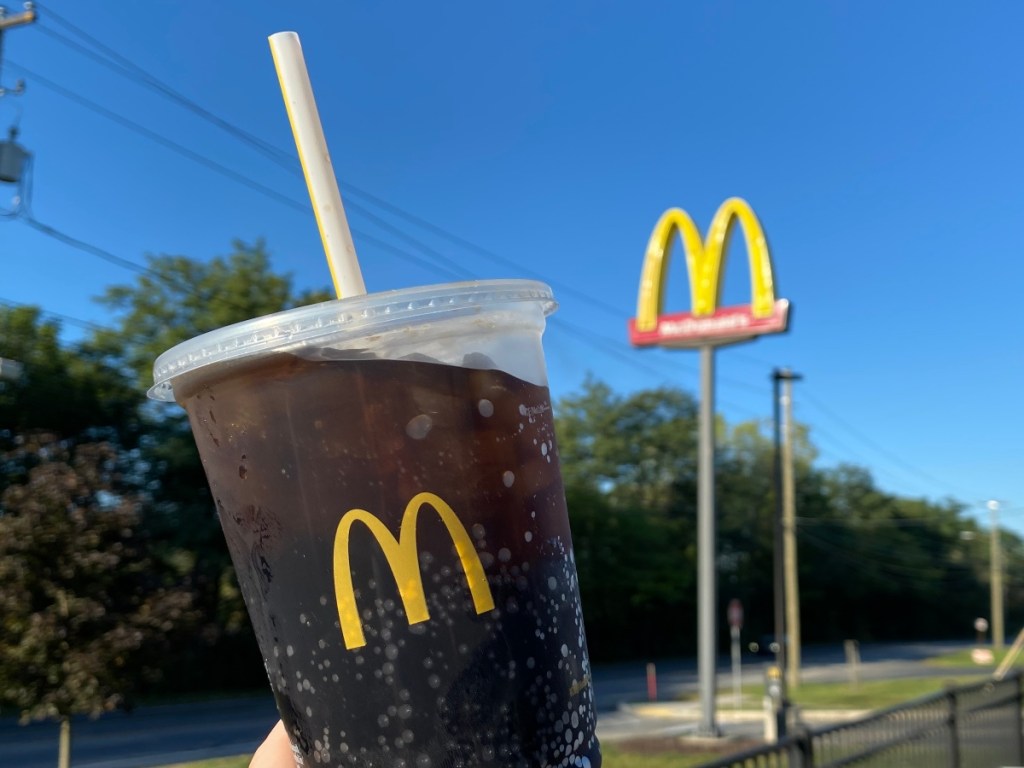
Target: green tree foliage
{"points": [[639, 451], [86, 612], [637, 599], [629, 465], [180, 298], [177, 299], [872, 565], [61, 390], [896, 565]]}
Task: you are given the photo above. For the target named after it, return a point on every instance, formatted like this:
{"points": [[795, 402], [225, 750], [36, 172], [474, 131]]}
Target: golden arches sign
{"points": [[402, 556], [706, 323]]}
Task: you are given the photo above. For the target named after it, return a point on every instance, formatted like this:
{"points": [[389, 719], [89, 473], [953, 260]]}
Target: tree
{"points": [[177, 299], [872, 565], [745, 506], [629, 466], [640, 450], [61, 390], [885, 566], [86, 610], [180, 298], [636, 585]]}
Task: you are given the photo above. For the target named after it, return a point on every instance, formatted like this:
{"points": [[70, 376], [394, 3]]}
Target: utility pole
{"points": [[789, 553], [8, 22], [12, 156], [996, 578], [784, 560]]}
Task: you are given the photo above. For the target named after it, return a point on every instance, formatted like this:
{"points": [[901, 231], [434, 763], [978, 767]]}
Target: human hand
{"points": [[276, 751]]}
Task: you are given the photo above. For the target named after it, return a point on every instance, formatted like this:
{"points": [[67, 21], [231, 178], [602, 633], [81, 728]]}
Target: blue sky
{"points": [[879, 143]]}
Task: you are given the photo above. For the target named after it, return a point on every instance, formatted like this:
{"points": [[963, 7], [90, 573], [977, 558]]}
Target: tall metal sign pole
{"points": [[704, 327], [707, 581]]}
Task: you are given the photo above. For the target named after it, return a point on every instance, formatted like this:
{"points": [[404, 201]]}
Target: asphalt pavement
{"points": [[148, 736]]}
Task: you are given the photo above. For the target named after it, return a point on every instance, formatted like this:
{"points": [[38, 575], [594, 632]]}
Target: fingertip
{"points": [[275, 751]]}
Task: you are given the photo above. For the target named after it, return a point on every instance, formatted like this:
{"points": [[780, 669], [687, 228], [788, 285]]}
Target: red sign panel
{"points": [[727, 324], [735, 613]]}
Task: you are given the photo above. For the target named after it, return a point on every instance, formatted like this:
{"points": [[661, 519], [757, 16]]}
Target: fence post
{"points": [[954, 726], [804, 749], [1018, 719]]}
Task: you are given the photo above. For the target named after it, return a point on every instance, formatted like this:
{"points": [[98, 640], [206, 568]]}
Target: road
{"points": [[149, 736], [154, 736]]}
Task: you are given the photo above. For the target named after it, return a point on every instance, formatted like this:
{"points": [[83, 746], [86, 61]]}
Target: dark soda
{"points": [[401, 539]]}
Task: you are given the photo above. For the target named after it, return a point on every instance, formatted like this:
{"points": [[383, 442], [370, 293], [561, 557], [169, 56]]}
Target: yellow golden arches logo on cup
{"points": [[402, 556], [707, 322]]}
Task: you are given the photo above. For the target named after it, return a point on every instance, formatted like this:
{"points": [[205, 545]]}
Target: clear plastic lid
{"points": [[343, 323]]}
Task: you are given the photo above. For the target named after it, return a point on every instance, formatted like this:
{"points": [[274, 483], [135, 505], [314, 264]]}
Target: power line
{"points": [[449, 268], [110, 58], [119, 63], [481, 251], [162, 140], [86, 324], [89, 248], [113, 60], [588, 337], [603, 344], [892, 522], [846, 453], [70, 319], [894, 571], [892, 457], [105, 255], [452, 269]]}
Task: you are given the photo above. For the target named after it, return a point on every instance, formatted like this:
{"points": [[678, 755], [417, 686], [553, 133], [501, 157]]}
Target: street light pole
{"points": [[996, 578]]}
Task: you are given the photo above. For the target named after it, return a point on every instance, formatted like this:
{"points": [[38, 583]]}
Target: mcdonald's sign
{"points": [[402, 556], [706, 323]]}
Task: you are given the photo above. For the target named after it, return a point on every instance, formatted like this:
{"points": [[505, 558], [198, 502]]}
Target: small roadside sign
{"points": [[735, 613]]}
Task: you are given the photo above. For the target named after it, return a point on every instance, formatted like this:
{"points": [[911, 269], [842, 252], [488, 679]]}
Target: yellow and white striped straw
{"points": [[316, 164]]}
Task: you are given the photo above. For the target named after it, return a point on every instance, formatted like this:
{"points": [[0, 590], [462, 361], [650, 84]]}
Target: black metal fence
{"points": [[972, 726]]}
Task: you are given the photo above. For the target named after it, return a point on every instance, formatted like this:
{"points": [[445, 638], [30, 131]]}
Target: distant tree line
{"points": [[115, 581], [872, 565]]}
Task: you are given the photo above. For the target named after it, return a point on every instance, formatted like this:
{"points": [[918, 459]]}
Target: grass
{"points": [[872, 694], [963, 659], [615, 756], [242, 761], [868, 694]]}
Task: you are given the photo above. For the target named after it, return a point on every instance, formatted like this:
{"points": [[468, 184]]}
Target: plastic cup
{"points": [[386, 474]]}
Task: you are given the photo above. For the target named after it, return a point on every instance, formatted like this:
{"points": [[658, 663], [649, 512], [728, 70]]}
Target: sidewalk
{"points": [[727, 714], [681, 719]]}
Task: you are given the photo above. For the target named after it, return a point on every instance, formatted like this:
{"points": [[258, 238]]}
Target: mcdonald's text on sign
{"points": [[706, 323]]}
